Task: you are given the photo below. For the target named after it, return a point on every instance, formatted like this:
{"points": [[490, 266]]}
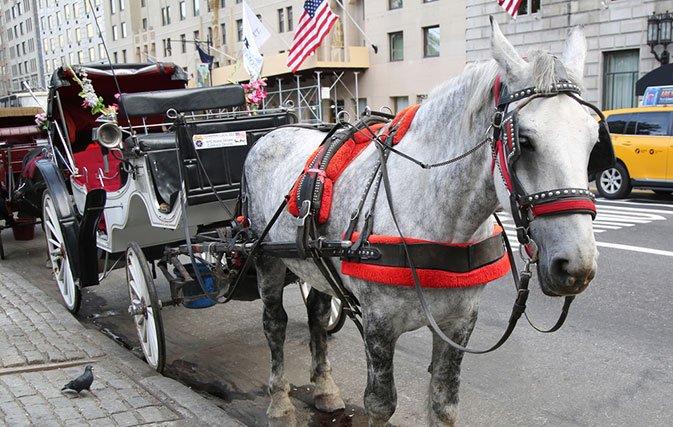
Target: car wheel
{"points": [[614, 183]]}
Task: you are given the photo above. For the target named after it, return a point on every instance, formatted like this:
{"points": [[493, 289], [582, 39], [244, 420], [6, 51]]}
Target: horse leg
{"points": [[270, 278], [380, 395], [326, 395], [445, 368]]}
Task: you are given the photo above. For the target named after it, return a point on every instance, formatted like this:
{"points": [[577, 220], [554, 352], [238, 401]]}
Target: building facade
{"points": [[616, 31], [69, 33], [19, 46], [379, 54]]}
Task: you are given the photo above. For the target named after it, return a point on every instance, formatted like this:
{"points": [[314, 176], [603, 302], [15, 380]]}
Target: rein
{"points": [[521, 280], [566, 200]]}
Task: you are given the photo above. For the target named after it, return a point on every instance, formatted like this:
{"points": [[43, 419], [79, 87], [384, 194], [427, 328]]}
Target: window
{"points": [[196, 37], [394, 4], [183, 11], [167, 47], [142, 3], [68, 35], [66, 11], [222, 3], [431, 41], [87, 7], [654, 123], [621, 73], [122, 6], [78, 33], [400, 103], [165, 15], [290, 24], [115, 35], [528, 6], [124, 55], [101, 51], [75, 11], [61, 41], [281, 20], [113, 8], [123, 30], [144, 24], [396, 42], [196, 7], [183, 42], [80, 56], [92, 54], [223, 31], [89, 30], [239, 29], [116, 57]]}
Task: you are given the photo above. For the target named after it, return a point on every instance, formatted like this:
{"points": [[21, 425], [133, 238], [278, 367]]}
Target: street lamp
{"points": [[660, 32]]}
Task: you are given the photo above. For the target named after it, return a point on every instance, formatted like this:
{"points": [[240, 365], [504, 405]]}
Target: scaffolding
{"points": [[308, 93]]}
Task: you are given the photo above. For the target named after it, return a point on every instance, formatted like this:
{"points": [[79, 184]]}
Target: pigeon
{"points": [[83, 382]]}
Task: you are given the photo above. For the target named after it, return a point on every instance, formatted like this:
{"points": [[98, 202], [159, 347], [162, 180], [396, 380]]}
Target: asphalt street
{"points": [[610, 365]]}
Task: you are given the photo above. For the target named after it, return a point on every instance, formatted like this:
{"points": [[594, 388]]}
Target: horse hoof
{"points": [[281, 412], [329, 402], [284, 421]]}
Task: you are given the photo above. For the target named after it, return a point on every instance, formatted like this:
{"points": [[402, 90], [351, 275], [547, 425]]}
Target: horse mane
{"points": [[478, 80]]}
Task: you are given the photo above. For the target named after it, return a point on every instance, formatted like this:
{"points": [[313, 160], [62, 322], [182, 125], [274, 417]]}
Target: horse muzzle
{"points": [[564, 276]]}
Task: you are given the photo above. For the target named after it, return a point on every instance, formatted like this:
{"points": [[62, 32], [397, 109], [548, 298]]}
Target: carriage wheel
{"points": [[145, 307], [336, 315], [58, 255]]}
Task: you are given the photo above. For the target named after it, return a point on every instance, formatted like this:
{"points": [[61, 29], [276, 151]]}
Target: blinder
{"points": [[507, 151]]}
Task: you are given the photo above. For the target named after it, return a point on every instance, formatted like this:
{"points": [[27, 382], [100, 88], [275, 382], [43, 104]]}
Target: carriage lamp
{"points": [[660, 32]]}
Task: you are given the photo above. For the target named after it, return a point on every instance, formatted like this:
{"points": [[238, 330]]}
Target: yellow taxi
{"points": [[643, 141]]}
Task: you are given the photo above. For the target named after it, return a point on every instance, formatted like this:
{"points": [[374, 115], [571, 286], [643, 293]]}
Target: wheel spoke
{"points": [[145, 306]]}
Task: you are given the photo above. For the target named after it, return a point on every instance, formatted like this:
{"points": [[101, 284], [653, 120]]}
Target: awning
{"points": [[20, 131], [662, 76]]}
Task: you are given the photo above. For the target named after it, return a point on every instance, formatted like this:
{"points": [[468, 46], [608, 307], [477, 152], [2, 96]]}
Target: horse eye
{"points": [[525, 143]]}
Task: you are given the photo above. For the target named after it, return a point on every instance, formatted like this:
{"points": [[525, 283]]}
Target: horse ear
{"points": [[505, 55], [575, 51]]}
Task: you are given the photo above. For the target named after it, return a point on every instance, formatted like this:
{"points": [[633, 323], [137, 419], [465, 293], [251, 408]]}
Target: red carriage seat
{"points": [[91, 166]]}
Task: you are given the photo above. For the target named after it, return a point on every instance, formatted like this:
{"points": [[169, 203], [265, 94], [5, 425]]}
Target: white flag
{"points": [[254, 36]]}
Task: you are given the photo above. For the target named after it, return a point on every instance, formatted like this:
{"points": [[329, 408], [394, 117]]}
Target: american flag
{"points": [[511, 6], [314, 24]]}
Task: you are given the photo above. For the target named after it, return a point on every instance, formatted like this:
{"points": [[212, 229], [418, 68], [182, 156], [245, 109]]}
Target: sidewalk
{"points": [[42, 347]]}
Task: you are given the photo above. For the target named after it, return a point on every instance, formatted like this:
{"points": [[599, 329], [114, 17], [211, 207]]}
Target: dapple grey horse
{"points": [[453, 203]]}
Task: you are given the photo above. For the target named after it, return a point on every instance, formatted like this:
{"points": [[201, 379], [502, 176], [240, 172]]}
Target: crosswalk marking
{"points": [[634, 248], [613, 215]]}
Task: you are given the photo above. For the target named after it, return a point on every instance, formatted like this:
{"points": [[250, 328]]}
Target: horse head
{"points": [[547, 138]]}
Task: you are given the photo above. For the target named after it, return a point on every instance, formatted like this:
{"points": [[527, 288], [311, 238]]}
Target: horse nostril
{"points": [[559, 268]]}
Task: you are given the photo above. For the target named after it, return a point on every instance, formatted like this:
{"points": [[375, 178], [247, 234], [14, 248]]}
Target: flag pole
{"points": [[375, 47], [209, 41]]}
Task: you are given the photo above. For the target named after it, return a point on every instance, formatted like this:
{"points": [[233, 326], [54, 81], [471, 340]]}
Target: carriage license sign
{"points": [[219, 140]]}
